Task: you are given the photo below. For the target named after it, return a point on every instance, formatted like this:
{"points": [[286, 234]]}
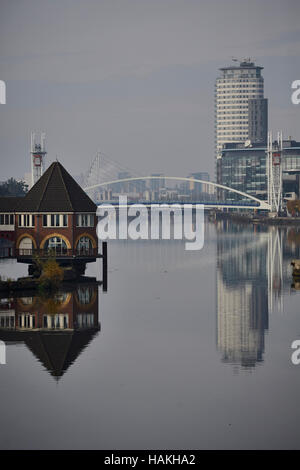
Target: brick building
{"points": [[55, 216], [7, 225]]}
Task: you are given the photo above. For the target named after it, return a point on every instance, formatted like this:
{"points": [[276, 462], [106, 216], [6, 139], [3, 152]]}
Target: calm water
{"points": [[185, 350]]}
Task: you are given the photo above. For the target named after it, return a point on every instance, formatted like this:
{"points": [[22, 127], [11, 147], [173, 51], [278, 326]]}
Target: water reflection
{"points": [[57, 329], [253, 273], [242, 296], [178, 325]]}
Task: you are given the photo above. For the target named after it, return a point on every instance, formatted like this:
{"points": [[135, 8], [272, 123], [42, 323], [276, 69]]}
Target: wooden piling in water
{"points": [[104, 266]]}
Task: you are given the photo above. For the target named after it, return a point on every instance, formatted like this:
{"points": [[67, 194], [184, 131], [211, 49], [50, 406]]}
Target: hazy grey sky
{"points": [[135, 78]]}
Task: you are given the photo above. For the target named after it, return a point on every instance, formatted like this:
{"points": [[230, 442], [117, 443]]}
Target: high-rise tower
{"points": [[241, 111]]}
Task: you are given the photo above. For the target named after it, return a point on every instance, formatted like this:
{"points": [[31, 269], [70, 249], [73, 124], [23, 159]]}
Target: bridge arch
{"points": [[262, 204]]}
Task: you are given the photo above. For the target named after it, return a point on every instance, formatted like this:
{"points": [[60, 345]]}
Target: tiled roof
{"points": [[9, 204], [56, 191]]}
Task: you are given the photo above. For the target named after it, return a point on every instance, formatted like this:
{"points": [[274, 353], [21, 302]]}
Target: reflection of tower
{"points": [[274, 268], [242, 301], [38, 154], [241, 322]]}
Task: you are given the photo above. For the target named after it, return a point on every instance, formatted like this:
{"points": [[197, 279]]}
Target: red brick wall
{"points": [[71, 232], [7, 235]]}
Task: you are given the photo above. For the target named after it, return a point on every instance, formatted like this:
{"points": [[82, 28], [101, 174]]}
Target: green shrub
{"points": [[52, 275]]}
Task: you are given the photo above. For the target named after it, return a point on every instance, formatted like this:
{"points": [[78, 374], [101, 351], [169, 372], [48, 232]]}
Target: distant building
{"points": [[244, 168], [157, 184], [197, 188], [122, 187], [241, 111], [104, 195]]}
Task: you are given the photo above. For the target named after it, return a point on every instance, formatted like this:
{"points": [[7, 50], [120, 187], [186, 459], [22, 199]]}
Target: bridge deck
{"points": [[207, 204]]}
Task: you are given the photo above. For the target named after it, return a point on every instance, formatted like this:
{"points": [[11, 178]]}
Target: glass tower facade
{"points": [[244, 168]]}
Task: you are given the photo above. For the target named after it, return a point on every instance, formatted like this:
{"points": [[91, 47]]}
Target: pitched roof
{"points": [[56, 351], [56, 191], [9, 203]]}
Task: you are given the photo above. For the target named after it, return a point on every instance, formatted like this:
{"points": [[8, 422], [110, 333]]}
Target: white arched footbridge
{"points": [[254, 202]]}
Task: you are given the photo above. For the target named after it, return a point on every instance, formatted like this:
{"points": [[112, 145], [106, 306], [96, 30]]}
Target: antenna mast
{"points": [[274, 172], [38, 154]]}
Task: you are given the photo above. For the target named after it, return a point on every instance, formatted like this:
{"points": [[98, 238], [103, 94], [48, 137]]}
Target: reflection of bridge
{"points": [[256, 204]]}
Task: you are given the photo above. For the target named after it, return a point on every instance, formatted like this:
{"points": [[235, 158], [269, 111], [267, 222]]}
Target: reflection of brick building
{"points": [[56, 330]]}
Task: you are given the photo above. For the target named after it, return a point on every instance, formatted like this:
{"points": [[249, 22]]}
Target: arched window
{"points": [[56, 244], [25, 246], [84, 245]]}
